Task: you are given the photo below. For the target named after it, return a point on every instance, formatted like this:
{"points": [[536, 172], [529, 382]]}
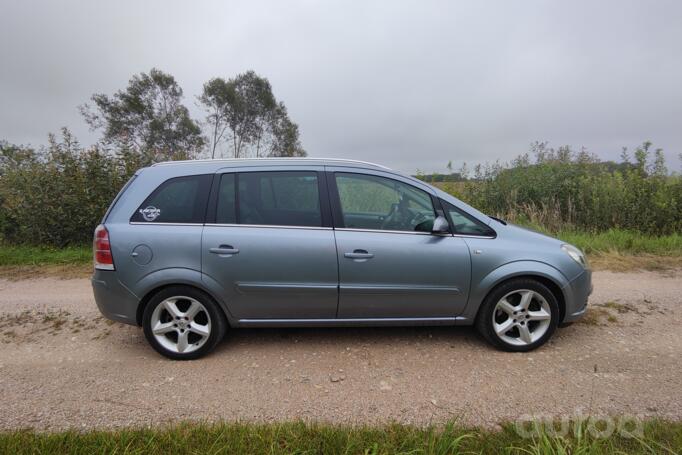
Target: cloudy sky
{"points": [[409, 84]]}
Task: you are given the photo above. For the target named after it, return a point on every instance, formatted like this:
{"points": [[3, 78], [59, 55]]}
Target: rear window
{"points": [[178, 200], [289, 198]]}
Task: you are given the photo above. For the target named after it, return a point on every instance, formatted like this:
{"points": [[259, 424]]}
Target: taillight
{"points": [[102, 249]]}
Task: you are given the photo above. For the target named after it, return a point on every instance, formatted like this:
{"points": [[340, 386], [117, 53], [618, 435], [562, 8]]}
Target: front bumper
{"points": [[576, 294], [114, 300]]}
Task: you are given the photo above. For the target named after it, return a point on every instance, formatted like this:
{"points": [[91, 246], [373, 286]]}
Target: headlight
{"points": [[575, 254]]}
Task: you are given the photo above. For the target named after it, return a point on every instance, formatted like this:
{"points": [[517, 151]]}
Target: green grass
{"points": [[23, 255], [658, 437], [614, 241], [625, 242]]}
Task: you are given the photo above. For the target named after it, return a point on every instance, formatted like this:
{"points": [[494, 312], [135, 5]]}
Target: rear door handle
{"points": [[358, 254], [224, 249]]}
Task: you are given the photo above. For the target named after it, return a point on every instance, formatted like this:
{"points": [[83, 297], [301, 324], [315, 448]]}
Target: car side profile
{"points": [[190, 249]]}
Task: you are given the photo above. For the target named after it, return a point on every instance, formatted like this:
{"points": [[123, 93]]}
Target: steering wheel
{"points": [[416, 219], [389, 219]]}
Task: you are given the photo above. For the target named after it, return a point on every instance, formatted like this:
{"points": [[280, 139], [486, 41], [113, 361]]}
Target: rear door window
{"points": [[178, 200], [274, 198]]}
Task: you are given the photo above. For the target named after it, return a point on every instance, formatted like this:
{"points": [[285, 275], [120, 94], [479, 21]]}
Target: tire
{"points": [[183, 323], [518, 315]]}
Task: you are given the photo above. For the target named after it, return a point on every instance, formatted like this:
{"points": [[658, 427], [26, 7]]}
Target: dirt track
{"points": [[63, 366]]}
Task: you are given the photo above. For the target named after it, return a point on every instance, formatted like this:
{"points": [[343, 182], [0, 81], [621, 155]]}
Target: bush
{"points": [[57, 196], [562, 190]]}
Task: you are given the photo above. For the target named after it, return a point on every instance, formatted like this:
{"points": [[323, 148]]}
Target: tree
{"points": [[244, 113], [147, 117]]}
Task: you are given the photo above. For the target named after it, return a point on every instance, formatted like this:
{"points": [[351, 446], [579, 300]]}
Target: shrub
{"points": [[57, 196], [562, 189]]}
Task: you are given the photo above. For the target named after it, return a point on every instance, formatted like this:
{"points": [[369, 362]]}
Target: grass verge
{"points": [[21, 261], [616, 250], [655, 437]]}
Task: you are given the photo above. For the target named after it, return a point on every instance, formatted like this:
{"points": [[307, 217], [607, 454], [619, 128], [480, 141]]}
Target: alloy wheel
{"points": [[181, 324], [521, 317]]}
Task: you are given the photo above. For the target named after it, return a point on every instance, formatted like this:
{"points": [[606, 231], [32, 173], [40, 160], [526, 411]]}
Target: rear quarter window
{"points": [[177, 200]]}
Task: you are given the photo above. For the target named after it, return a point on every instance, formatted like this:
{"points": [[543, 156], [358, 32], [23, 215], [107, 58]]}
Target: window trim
{"points": [[466, 215], [323, 195], [202, 198], [337, 211]]}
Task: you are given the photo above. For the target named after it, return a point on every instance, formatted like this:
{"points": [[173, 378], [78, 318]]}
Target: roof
{"points": [[274, 161]]}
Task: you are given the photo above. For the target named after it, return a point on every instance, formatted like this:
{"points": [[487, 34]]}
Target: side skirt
{"points": [[355, 322]]}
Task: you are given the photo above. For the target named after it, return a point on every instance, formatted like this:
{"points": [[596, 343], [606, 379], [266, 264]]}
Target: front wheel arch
{"points": [[550, 284]]}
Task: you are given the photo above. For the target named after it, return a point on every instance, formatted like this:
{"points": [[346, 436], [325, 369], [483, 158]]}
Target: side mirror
{"points": [[440, 226]]}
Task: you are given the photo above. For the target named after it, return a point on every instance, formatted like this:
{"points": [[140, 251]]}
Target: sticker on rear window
{"points": [[150, 213]]}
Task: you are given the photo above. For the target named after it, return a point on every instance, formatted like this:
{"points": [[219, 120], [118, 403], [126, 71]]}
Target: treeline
{"points": [[559, 189]]}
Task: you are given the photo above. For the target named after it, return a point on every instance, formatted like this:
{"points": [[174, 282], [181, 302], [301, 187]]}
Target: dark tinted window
{"points": [[226, 212], [373, 202], [464, 224], [279, 198], [178, 200]]}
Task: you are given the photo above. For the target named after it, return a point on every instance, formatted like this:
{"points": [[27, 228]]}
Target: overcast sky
{"points": [[408, 84]]}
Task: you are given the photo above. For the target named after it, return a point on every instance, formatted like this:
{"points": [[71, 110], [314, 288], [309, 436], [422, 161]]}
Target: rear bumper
{"points": [[114, 300], [577, 292]]}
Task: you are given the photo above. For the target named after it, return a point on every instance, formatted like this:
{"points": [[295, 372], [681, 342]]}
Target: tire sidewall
{"points": [[484, 321], [218, 322]]}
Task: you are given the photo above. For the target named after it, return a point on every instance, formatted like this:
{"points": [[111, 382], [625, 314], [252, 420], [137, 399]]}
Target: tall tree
{"points": [[148, 116], [243, 113]]}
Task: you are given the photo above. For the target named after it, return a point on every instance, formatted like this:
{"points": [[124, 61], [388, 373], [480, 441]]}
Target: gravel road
{"points": [[63, 366]]}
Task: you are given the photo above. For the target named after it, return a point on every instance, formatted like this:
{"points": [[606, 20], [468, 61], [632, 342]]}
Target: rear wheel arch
{"points": [[151, 293]]}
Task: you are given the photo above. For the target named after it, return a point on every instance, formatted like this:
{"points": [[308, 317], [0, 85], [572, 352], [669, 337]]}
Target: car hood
{"points": [[526, 234]]}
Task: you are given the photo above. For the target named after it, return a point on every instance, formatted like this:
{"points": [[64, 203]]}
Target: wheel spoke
{"points": [[503, 327], [172, 308], [193, 309], [505, 306], [163, 327], [525, 334], [526, 297], [540, 315], [183, 341], [200, 329], [169, 319]]}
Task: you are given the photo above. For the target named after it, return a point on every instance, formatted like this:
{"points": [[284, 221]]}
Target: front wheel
{"points": [[183, 323], [518, 315]]}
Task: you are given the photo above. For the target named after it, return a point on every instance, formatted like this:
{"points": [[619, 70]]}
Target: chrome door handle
{"points": [[224, 249], [358, 254]]}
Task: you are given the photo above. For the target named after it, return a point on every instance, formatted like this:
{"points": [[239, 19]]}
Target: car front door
{"points": [[269, 243], [390, 264]]}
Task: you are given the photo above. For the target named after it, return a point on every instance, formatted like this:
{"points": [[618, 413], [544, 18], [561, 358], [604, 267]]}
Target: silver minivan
{"points": [[190, 249]]}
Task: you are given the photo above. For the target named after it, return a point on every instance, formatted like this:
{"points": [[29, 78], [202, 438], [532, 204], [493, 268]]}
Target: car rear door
{"points": [[390, 264], [269, 243]]}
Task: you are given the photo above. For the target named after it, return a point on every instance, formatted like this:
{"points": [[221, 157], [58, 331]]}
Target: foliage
{"points": [[244, 112], [148, 117], [562, 189], [438, 178], [309, 438], [57, 196]]}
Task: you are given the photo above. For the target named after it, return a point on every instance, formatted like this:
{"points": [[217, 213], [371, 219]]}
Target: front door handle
{"points": [[358, 254], [224, 249]]}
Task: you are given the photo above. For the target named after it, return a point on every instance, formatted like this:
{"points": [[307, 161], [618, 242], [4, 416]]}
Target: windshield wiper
{"points": [[498, 219]]}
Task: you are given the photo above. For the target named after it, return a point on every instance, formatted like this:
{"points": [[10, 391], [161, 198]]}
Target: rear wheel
{"points": [[183, 323], [518, 315]]}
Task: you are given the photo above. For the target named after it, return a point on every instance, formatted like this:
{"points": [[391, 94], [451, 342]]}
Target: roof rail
{"points": [[232, 160]]}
